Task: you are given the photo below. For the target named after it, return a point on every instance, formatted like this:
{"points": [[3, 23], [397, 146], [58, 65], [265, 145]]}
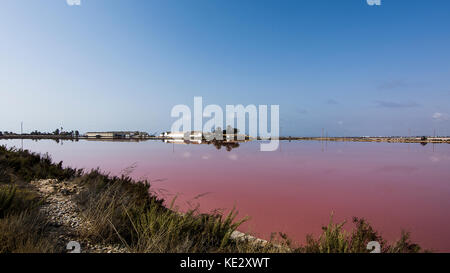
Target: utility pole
{"points": [[321, 140], [21, 133]]}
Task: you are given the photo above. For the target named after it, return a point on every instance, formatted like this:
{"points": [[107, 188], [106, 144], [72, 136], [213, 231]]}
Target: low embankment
{"points": [[375, 139]]}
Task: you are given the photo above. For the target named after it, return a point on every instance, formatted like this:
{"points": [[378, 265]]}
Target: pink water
{"points": [[293, 190]]}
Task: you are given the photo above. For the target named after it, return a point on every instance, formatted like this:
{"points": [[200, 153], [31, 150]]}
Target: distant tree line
{"points": [[57, 132], [9, 133]]}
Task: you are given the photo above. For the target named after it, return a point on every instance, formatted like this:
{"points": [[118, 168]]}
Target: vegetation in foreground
{"points": [[119, 210]]}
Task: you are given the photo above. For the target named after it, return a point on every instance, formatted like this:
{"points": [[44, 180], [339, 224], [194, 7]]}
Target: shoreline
{"points": [[330, 139]]}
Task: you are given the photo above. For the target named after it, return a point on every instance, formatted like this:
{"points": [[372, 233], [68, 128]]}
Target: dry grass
{"points": [[25, 233], [120, 211]]}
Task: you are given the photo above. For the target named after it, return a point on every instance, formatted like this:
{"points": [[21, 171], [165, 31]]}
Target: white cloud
{"points": [[441, 116], [340, 122]]}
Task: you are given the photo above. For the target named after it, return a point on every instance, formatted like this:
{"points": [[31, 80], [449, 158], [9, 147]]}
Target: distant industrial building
{"points": [[199, 135], [117, 134], [183, 135], [443, 139], [183, 141]]}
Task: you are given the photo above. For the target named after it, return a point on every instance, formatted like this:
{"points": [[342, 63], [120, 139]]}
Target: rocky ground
{"points": [[65, 217]]}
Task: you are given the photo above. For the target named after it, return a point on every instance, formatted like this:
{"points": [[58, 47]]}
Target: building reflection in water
{"points": [[228, 145]]}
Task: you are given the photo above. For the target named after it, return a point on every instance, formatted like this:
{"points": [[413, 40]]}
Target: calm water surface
{"points": [[293, 190]]}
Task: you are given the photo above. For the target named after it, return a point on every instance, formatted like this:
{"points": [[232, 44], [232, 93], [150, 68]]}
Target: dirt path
{"points": [[65, 217]]}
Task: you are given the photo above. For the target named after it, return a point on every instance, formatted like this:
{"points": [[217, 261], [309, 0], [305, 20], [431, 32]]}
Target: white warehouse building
{"points": [[183, 135]]}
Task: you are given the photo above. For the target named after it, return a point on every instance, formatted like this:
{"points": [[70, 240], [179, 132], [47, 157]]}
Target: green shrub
{"points": [[16, 200], [335, 239], [5, 177], [30, 166], [6, 199]]}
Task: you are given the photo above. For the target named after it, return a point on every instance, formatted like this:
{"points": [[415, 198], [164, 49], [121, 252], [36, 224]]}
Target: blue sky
{"points": [[342, 65]]}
